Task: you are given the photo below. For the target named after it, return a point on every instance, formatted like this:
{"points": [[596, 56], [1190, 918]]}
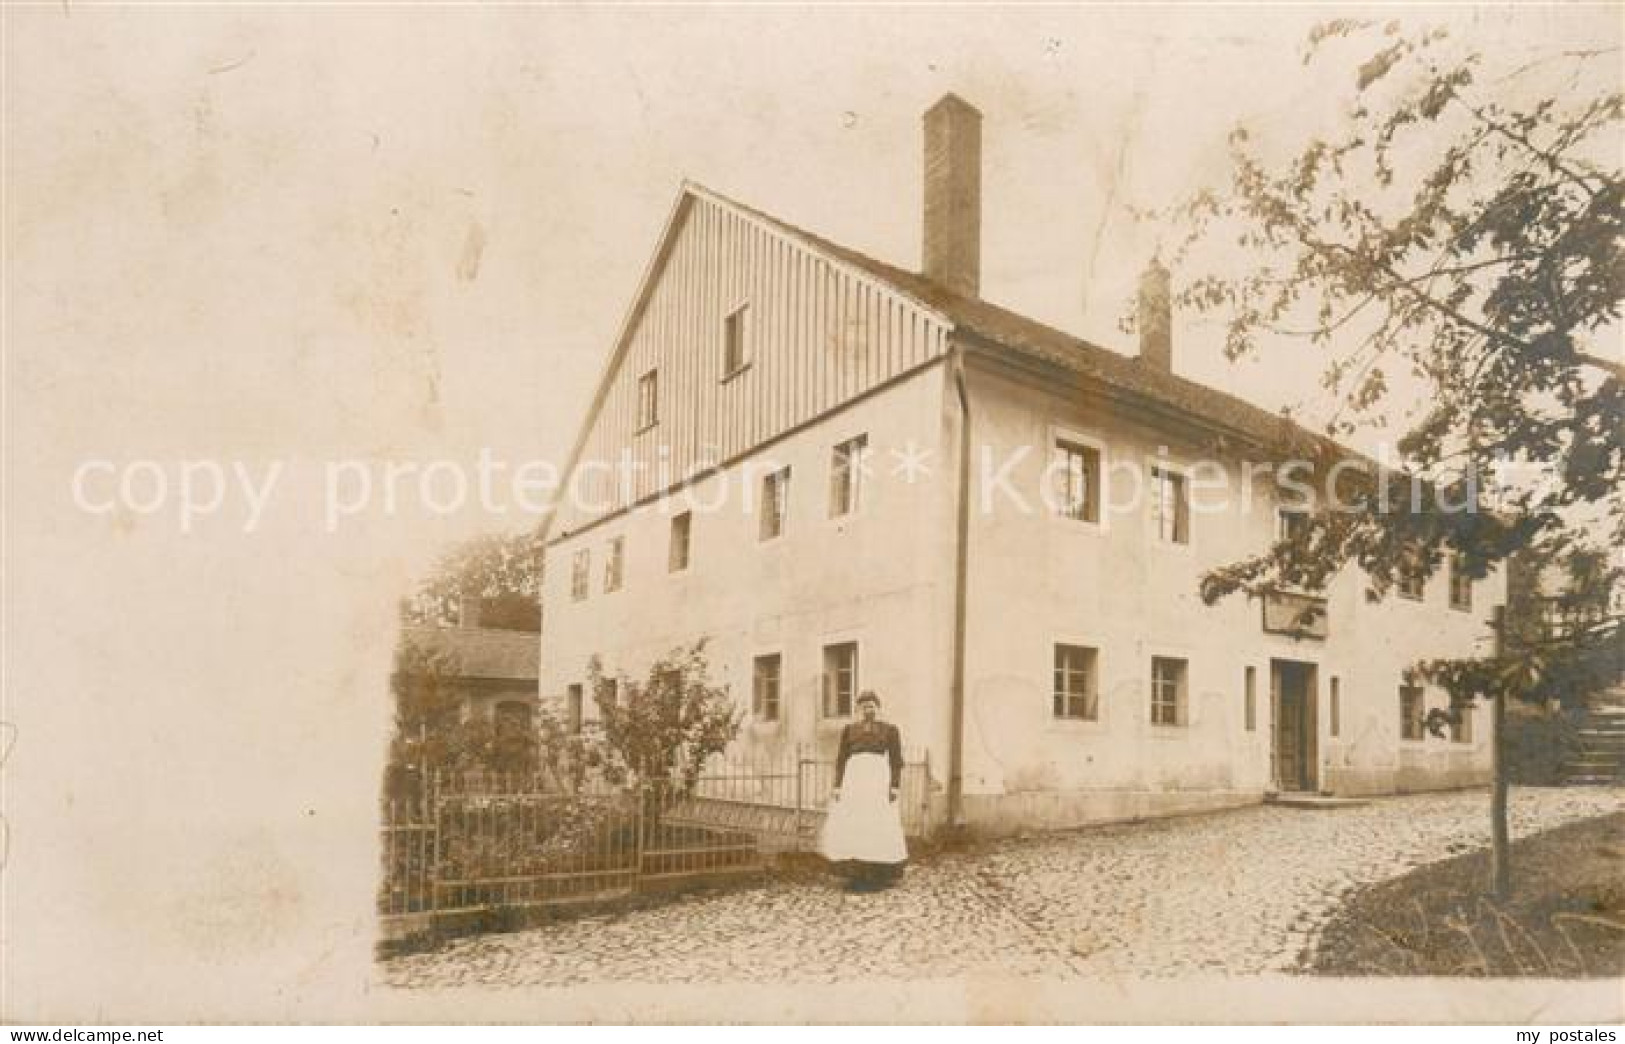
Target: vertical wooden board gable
{"points": [[821, 334]]}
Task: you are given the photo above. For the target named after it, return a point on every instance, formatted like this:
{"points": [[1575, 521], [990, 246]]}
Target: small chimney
{"points": [[953, 195], [1156, 317], [468, 611]]}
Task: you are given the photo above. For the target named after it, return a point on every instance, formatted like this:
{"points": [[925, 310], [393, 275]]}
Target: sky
{"points": [[387, 234]]}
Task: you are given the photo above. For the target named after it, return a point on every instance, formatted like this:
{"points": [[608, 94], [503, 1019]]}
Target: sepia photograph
{"points": [[862, 514]]}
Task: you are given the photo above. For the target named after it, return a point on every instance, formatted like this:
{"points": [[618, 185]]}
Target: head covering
{"points": [[868, 696]]}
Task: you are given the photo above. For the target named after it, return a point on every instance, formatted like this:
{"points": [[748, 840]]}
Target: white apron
{"points": [[864, 823]]}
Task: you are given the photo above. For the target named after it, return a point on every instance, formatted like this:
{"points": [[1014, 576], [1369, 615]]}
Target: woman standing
{"points": [[863, 831]]}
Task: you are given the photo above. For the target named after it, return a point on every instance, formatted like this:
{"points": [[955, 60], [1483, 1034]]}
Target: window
{"points": [[764, 697], [648, 400], [775, 503], [511, 717], [1170, 507], [846, 475], [1250, 700], [677, 556], [1075, 691], [1461, 729], [1412, 582], [1167, 691], [840, 679], [1335, 726], [1290, 524], [1461, 585], [613, 564], [1077, 481], [580, 570], [1411, 712], [735, 347], [572, 708], [1559, 619]]}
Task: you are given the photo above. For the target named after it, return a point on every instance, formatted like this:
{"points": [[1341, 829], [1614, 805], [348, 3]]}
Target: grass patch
{"points": [[1565, 917]]}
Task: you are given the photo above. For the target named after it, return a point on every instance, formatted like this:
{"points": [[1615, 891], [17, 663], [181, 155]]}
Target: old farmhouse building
{"points": [[850, 476]]}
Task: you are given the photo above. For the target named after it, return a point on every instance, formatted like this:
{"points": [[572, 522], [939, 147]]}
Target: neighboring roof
{"points": [[481, 652], [1008, 330]]}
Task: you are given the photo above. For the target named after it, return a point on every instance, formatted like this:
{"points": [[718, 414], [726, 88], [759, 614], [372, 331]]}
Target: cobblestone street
{"points": [[1235, 892]]}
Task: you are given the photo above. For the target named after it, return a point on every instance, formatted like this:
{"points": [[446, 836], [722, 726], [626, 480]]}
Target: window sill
{"points": [[846, 522], [1075, 726], [1091, 526]]}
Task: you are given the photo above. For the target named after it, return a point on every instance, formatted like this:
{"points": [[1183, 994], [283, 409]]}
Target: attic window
{"points": [[648, 400], [736, 341]]}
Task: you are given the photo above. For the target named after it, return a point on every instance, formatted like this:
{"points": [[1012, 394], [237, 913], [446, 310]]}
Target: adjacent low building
{"points": [[493, 672], [850, 476]]}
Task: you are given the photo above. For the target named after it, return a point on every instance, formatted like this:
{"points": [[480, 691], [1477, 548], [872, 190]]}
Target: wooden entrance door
{"points": [[1292, 688]]}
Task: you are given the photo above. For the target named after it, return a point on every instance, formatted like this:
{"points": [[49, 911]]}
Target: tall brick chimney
{"points": [[1156, 317], [953, 195]]}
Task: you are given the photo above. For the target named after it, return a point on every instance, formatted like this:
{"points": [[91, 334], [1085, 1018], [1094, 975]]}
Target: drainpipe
{"points": [[956, 736]]}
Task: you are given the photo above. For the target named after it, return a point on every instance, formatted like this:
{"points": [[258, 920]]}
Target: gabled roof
{"points": [[985, 327], [1002, 329], [481, 652]]}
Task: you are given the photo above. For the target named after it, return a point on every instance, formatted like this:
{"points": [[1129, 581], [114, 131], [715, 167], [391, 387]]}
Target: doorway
{"points": [[1293, 693]]}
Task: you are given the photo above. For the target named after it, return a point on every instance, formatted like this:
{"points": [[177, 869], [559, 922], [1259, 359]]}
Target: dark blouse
{"points": [[862, 737]]}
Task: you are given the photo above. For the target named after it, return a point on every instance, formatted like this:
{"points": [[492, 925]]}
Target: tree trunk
{"points": [[1500, 854]]}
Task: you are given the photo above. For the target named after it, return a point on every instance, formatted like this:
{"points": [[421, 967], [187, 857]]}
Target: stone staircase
{"points": [[1598, 757]]}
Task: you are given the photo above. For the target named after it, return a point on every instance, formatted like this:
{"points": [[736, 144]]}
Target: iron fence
{"points": [[782, 800], [482, 841]]}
